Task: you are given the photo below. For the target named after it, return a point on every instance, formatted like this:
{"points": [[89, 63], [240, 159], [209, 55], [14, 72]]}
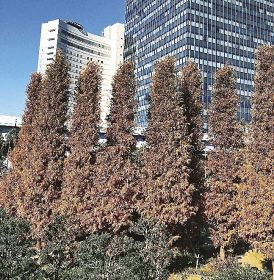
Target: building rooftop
{"points": [[10, 121]]}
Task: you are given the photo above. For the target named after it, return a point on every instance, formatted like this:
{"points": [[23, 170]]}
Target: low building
{"points": [[7, 123]]}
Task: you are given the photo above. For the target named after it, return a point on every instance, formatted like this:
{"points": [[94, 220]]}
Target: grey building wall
{"points": [[212, 32]]}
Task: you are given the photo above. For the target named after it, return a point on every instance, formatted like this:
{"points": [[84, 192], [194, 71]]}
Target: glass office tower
{"points": [[212, 32]]}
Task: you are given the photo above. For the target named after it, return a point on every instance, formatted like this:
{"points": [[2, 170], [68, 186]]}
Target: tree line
{"points": [[117, 191]]}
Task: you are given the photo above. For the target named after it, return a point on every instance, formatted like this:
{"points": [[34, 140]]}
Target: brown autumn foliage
{"points": [[83, 142], [191, 93], [224, 161], [191, 101], [41, 182], [115, 171], [165, 192], [256, 192], [20, 157]]}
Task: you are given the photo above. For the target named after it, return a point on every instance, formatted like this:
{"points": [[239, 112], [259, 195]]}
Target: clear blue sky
{"points": [[20, 24]]}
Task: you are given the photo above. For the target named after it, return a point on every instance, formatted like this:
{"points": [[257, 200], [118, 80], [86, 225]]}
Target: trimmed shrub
{"points": [[243, 274]]}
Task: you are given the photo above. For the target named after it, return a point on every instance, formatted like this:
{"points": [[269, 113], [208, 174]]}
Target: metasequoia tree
{"points": [[190, 90], [21, 156], [40, 184], [166, 194], [115, 172], [256, 192], [224, 161], [191, 93], [83, 140]]}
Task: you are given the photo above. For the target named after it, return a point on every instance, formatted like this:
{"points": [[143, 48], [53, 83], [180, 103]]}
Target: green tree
{"points": [[76, 201], [56, 258], [156, 252], [115, 178], [143, 254], [224, 162], [239, 273], [104, 257], [256, 192], [165, 191], [18, 258]]}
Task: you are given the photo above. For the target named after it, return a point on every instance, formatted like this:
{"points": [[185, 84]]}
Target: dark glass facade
{"points": [[212, 32]]}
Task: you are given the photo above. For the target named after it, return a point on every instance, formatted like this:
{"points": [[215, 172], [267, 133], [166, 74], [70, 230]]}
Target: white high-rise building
{"points": [[80, 47]]}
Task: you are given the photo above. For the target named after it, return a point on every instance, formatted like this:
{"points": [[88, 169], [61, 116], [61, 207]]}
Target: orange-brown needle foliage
{"points": [[166, 194], [83, 141], [20, 157], [41, 183], [191, 93], [224, 161], [191, 101], [256, 192], [115, 172]]}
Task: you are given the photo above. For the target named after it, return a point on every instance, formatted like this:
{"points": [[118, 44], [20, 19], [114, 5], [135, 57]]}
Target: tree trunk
{"points": [[273, 269], [222, 253]]}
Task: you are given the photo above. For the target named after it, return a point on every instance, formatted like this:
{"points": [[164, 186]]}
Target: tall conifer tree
{"points": [[190, 90], [115, 172], [41, 183], [256, 192], [83, 141], [21, 156], [166, 194], [191, 93], [224, 161]]}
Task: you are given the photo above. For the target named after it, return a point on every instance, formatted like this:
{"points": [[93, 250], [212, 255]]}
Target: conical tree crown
{"points": [[115, 171], [83, 141], [225, 130], [224, 162], [261, 129], [166, 193], [256, 192], [122, 122], [191, 87], [21, 156], [42, 181]]}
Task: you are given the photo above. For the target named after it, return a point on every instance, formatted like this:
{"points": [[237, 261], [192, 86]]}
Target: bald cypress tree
{"points": [[115, 171], [256, 192], [191, 93], [41, 183], [191, 102], [83, 141], [224, 161], [166, 193], [21, 156]]}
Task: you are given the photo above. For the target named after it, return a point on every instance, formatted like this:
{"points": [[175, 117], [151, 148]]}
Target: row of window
{"points": [[85, 41], [83, 48]]}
